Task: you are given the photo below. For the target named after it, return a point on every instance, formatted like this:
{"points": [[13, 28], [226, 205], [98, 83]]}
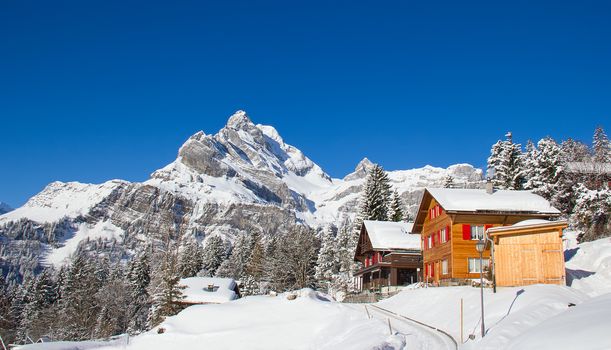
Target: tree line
{"points": [[571, 175]]}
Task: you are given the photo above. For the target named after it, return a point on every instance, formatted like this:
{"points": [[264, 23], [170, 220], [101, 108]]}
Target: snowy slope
{"points": [[509, 312], [62, 199]]}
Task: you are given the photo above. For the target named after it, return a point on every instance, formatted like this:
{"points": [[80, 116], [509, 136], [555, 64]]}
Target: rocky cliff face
{"points": [[245, 178]]}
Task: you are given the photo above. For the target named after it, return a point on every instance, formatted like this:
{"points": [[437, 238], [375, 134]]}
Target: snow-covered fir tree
{"points": [[396, 208], [168, 292], [543, 166], [214, 253], [593, 212], [345, 245], [601, 146], [506, 161], [190, 261], [327, 264], [138, 279], [376, 196], [235, 266]]}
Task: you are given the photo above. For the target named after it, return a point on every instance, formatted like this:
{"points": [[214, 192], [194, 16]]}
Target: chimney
{"points": [[489, 186]]}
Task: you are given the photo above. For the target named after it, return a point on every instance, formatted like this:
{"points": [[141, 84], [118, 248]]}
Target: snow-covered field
{"points": [[530, 317], [310, 321]]}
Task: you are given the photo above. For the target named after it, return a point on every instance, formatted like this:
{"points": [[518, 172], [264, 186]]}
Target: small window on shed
{"points": [[444, 267]]}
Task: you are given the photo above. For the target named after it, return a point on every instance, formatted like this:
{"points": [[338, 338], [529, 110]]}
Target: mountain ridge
{"points": [[242, 179]]}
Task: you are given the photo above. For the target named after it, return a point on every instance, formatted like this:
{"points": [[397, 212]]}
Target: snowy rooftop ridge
{"points": [[472, 200], [391, 235]]}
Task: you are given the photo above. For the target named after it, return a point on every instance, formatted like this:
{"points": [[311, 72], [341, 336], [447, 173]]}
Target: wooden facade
{"points": [[529, 254], [448, 238], [385, 266]]}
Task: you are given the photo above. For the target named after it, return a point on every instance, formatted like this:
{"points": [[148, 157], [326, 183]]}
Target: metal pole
{"points": [[461, 321], [481, 288], [493, 262]]}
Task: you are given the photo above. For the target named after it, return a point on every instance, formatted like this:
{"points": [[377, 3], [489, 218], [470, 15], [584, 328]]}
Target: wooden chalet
{"points": [[390, 255], [451, 221]]}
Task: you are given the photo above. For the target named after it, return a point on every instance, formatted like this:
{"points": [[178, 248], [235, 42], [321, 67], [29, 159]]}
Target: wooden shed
{"points": [[529, 252]]}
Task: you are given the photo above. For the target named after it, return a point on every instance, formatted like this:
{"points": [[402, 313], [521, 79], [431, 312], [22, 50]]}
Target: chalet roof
{"points": [[457, 199], [386, 235], [476, 201], [197, 292]]}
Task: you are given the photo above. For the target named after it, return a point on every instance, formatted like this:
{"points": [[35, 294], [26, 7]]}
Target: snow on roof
{"points": [[391, 235], [531, 222], [453, 199], [197, 292]]}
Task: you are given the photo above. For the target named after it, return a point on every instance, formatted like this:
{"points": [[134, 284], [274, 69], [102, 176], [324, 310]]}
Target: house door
{"points": [[437, 270]]}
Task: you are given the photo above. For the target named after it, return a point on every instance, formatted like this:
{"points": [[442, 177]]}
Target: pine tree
{"points": [[191, 260], [592, 212], [169, 293], [396, 208], [78, 308], [544, 167], [346, 243], [255, 266], [327, 264], [376, 196], [574, 151], [530, 165], [601, 146], [448, 181], [506, 162], [214, 253], [138, 280], [235, 266]]}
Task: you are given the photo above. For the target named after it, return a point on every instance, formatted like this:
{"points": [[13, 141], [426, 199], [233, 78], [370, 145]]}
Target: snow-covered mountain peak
{"points": [[361, 170], [239, 120]]}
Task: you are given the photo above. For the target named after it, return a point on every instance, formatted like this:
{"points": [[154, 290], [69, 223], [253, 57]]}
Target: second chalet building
{"points": [[390, 255], [451, 221]]}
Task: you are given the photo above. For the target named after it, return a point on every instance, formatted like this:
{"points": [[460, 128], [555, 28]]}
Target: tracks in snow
{"points": [[418, 335]]}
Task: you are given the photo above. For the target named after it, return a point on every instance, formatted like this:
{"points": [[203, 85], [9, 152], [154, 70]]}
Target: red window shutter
{"points": [[439, 236], [448, 235], [466, 232], [440, 210], [486, 227]]}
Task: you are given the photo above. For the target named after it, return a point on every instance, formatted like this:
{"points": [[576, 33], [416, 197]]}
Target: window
{"points": [[444, 236], [444, 267], [430, 241], [474, 264], [477, 232]]}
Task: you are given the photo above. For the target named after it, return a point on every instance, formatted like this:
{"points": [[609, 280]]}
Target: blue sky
{"points": [[96, 90]]}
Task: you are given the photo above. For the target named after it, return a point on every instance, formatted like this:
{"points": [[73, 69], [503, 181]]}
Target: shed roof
{"points": [[196, 291], [392, 235]]}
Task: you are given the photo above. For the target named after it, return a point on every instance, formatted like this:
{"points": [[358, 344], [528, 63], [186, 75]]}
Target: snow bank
{"points": [[509, 312], [263, 322], [585, 326], [588, 266]]}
